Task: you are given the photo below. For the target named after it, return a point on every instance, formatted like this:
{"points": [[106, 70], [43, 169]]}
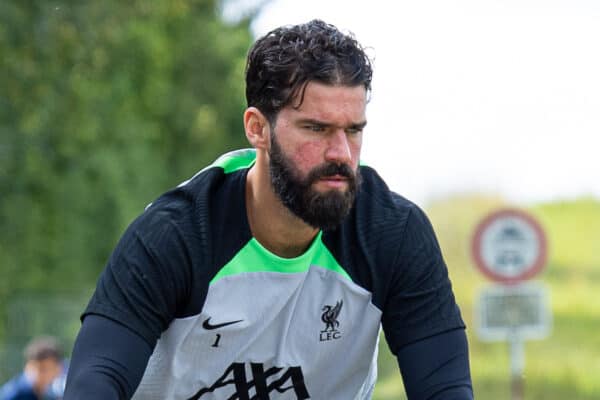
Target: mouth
{"points": [[334, 181]]}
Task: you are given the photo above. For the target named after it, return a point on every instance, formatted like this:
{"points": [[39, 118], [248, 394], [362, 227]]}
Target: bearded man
{"points": [[269, 273]]}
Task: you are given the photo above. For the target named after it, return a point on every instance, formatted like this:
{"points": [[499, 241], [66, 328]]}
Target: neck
{"points": [[274, 226]]}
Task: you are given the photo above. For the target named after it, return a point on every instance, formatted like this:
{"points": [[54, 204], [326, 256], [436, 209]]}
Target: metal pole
{"points": [[517, 366]]}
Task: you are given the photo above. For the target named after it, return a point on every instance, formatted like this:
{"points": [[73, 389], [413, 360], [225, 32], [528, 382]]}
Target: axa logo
{"points": [[237, 384], [330, 318]]}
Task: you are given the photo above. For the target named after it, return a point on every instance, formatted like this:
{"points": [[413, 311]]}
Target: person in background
{"points": [[43, 366]]}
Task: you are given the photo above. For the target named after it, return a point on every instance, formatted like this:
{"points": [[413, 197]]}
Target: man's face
{"points": [[315, 148]]}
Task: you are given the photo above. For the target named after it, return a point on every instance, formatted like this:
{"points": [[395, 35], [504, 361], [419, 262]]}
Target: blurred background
{"points": [[476, 105]]}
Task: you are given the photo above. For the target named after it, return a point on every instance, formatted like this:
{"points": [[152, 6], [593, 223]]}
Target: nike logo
{"points": [[208, 326]]}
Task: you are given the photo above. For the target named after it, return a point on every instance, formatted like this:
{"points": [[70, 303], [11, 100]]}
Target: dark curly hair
{"points": [[281, 63]]}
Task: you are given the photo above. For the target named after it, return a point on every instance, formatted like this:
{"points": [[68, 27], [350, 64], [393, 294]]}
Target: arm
{"points": [[437, 368], [143, 287], [108, 361], [422, 321]]}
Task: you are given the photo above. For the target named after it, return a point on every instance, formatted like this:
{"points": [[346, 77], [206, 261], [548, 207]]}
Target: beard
{"points": [[322, 210]]}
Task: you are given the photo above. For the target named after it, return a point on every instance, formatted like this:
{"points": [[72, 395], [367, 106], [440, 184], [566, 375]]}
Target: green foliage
{"points": [[103, 106]]}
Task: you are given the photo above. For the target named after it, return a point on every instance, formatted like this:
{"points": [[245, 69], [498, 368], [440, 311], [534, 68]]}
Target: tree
{"points": [[103, 106]]}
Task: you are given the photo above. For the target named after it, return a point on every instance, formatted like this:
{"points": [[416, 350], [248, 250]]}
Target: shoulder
{"points": [[189, 205], [380, 210], [18, 388], [374, 234], [398, 224], [385, 227]]}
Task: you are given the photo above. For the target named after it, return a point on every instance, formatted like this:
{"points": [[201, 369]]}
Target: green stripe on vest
{"points": [[253, 257], [236, 160]]}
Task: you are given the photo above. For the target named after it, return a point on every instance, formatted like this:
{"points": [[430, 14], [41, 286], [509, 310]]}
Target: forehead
{"points": [[329, 102], [46, 365], [47, 361]]}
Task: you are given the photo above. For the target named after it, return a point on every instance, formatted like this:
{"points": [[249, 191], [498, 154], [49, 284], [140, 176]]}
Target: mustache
{"points": [[331, 169]]}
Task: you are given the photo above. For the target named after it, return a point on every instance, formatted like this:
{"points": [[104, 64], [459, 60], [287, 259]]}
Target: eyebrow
{"points": [[310, 121]]}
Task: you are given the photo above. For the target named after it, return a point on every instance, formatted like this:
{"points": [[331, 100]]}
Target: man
{"points": [[268, 274], [43, 364]]}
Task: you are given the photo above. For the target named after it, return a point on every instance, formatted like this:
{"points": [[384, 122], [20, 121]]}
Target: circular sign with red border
{"points": [[509, 246]]}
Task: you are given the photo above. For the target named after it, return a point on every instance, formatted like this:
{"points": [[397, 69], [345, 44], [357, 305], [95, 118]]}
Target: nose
{"points": [[338, 149]]}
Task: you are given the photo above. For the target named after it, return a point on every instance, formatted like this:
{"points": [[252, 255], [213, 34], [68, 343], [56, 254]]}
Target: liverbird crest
{"points": [[330, 316]]}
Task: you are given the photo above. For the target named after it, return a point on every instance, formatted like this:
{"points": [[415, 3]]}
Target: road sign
{"points": [[514, 313], [509, 246], [505, 312]]}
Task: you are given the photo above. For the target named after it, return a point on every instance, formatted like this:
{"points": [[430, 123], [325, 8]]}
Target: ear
{"points": [[258, 130]]}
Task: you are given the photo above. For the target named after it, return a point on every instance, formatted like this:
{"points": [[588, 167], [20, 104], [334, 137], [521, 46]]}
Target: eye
{"points": [[315, 128], [353, 131]]}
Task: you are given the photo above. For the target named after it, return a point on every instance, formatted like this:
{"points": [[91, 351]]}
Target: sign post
{"points": [[517, 367], [509, 247]]}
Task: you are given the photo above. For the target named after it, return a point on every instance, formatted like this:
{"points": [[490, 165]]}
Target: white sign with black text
{"points": [[504, 312]]}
